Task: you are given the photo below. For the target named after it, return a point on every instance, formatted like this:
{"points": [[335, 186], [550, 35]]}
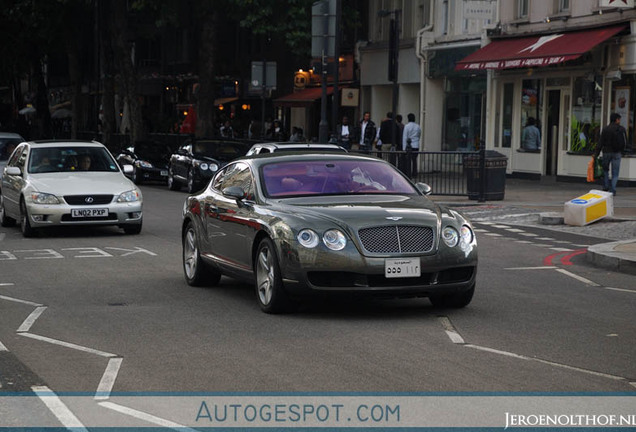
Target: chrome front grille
{"points": [[397, 239], [88, 199]]}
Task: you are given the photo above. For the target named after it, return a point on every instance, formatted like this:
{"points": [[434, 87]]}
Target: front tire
{"points": [[173, 185], [270, 293], [25, 223], [133, 229], [5, 220], [455, 301], [137, 177], [196, 272]]}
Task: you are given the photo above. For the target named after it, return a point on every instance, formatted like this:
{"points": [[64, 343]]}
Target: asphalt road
{"points": [[89, 309]]}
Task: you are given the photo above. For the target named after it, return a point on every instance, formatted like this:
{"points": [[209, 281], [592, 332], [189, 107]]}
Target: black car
{"points": [[196, 161], [149, 160]]}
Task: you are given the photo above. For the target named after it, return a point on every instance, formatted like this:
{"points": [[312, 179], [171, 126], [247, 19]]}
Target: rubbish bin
{"points": [[495, 175]]}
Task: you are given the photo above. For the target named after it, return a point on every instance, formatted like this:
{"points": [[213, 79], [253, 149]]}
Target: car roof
{"points": [[65, 143], [263, 159], [10, 135]]}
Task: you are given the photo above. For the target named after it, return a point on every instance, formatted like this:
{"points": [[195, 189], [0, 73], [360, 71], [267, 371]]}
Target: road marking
{"points": [[501, 226], [451, 331], [577, 277], [543, 245], [481, 230], [546, 239], [633, 384], [67, 345], [20, 301], [7, 284], [493, 234], [108, 379], [532, 268], [132, 251], [515, 230], [26, 325], [145, 416], [495, 351], [41, 253], [2, 347], [620, 289], [529, 234], [58, 408], [524, 241], [561, 249]]}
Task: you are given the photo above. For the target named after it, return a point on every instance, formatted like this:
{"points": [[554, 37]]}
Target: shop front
{"points": [[550, 96]]}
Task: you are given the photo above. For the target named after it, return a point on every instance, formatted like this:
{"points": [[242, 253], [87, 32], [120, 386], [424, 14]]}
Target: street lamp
{"points": [[394, 54]]}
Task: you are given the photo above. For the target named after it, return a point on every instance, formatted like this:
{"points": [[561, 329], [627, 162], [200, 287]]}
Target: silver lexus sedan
{"points": [[56, 183]]}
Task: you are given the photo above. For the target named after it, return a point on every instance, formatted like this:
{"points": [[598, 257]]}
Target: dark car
{"points": [[196, 161], [272, 147], [302, 224], [149, 160]]}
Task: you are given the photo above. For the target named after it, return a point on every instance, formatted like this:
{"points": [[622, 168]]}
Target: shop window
{"points": [[586, 114], [531, 114], [463, 115], [623, 102], [506, 119]]}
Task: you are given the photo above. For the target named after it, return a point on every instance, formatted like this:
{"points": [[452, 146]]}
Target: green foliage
{"points": [[583, 136]]}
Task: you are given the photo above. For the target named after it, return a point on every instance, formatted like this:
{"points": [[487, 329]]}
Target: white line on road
{"points": [[545, 239], [620, 289], [26, 325], [515, 230], [451, 331], [494, 351], [562, 249], [529, 234], [524, 241], [108, 379], [145, 416], [501, 226], [577, 277], [20, 301], [67, 345], [493, 234], [543, 245], [2, 347], [6, 284], [58, 408], [531, 268]]}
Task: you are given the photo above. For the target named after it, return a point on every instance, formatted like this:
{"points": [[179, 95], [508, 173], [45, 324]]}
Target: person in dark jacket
{"points": [[365, 134], [612, 142]]}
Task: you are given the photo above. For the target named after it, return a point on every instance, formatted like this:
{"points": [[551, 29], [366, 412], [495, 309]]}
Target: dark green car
{"points": [[302, 224]]}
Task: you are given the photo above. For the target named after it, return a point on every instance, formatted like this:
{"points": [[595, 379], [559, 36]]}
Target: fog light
{"points": [[38, 218], [135, 215]]}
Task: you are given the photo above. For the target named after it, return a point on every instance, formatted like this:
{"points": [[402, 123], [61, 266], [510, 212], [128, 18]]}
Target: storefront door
{"points": [[557, 100]]}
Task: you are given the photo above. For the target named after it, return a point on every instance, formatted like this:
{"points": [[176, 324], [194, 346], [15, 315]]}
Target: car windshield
{"points": [[7, 145], [332, 177], [152, 150], [66, 159], [220, 151]]}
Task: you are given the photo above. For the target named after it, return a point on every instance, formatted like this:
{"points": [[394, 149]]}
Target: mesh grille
{"points": [[397, 239], [81, 199]]}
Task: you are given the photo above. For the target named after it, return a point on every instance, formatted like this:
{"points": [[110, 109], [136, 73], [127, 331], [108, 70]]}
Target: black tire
{"points": [[196, 272], [172, 183], [270, 293], [5, 220], [25, 223], [191, 186], [133, 229], [136, 177], [455, 301]]}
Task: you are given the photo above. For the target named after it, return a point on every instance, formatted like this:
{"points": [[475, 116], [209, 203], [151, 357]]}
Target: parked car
{"points": [[196, 161], [58, 183], [149, 160], [8, 142], [271, 147], [302, 224]]}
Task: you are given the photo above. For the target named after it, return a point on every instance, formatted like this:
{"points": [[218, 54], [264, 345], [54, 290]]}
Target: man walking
{"points": [[365, 134], [385, 136], [612, 142], [344, 133], [411, 145]]}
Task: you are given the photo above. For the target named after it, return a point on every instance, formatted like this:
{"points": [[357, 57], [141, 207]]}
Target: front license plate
{"points": [[164, 173], [402, 267], [83, 213]]}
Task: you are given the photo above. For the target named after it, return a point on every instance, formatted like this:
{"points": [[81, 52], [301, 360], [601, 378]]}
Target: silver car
{"points": [[56, 183]]}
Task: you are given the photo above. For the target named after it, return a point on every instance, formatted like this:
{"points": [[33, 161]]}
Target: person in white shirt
{"points": [[411, 145], [345, 132]]}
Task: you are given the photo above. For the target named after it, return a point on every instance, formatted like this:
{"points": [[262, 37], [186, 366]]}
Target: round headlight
{"points": [[466, 234], [308, 238], [334, 240], [203, 166], [213, 167], [450, 236]]}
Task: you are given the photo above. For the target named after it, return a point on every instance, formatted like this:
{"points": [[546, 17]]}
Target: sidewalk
{"points": [[529, 197]]}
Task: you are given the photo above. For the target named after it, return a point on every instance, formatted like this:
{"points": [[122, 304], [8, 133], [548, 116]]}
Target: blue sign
{"points": [[579, 201]]}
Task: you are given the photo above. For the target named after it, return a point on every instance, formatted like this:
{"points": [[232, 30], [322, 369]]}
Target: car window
{"points": [[333, 177], [16, 154], [7, 145], [217, 181], [238, 174], [21, 157], [65, 159]]}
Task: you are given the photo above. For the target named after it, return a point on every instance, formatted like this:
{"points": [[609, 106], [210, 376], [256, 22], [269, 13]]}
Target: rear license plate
{"points": [[402, 267], [164, 173], [83, 213]]}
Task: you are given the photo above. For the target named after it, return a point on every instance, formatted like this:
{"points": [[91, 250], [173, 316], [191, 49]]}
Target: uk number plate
{"points": [[84, 213], [402, 267], [164, 173]]}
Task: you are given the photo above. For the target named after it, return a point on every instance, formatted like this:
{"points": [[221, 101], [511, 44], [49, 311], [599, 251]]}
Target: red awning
{"points": [[536, 51], [302, 98]]}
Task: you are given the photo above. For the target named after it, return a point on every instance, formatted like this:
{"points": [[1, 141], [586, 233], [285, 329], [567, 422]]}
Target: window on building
{"points": [[586, 114], [563, 6], [531, 114], [522, 9], [445, 16], [423, 15], [506, 118]]}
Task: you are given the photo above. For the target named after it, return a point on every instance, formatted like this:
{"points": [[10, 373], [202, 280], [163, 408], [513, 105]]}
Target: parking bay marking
{"points": [[81, 252], [144, 416], [58, 408]]}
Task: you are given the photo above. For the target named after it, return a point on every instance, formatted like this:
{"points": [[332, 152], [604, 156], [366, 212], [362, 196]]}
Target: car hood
{"points": [[359, 211], [78, 183], [158, 161]]}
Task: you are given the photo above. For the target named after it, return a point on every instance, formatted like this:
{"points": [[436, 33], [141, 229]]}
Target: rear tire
{"points": [[5, 220], [455, 301], [25, 222], [196, 272]]}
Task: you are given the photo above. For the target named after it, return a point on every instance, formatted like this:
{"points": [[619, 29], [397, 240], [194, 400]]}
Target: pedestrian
{"points": [[297, 135], [344, 133], [385, 137], [612, 143], [276, 132], [226, 130], [411, 145], [531, 136], [365, 134]]}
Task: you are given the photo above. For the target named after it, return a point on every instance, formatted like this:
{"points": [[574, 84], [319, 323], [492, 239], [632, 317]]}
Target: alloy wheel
{"points": [[265, 276]]}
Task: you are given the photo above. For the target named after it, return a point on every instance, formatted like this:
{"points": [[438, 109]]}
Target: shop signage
{"points": [[480, 10]]}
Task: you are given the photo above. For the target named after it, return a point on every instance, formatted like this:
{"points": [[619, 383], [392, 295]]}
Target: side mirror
{"points": [[14, 171], [128, 169], [234, 192], [424, 188]]}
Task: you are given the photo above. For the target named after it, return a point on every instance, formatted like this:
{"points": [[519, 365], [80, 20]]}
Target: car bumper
{"points": [[154, 174], [59, 215]]}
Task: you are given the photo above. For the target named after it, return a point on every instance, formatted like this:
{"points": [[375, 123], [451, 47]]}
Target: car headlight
{"points": [[466, 234], [144, 164], [308, 238], [203, 166], [213, 167], [334, 240], [450, 236], [44, 198], [130, 196]]}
